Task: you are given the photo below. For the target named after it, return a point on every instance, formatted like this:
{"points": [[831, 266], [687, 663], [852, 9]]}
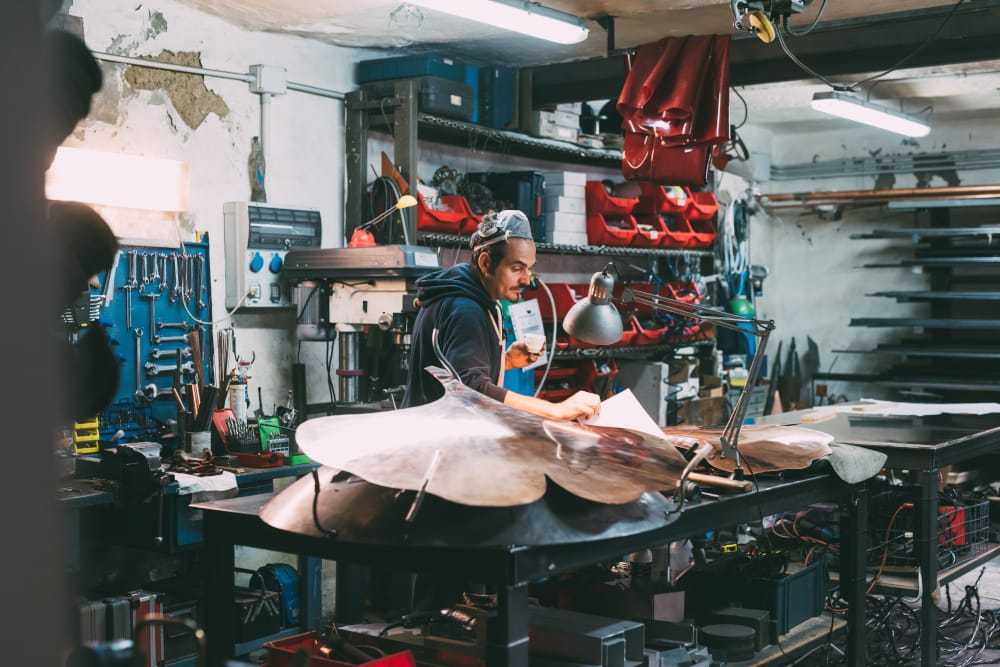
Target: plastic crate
{"points": [[600, 202], [651, 232], [701, 205], [679, 232], [704, 232], [284, 652], [661, 199], [408, 67], [792, 598], [611, 230], [565, 296]]}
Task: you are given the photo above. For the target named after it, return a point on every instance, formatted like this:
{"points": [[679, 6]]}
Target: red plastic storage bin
{"points": [[679, 232], [704, 233], [564, 294], [701, 205], [600, 202], [450, 220], [652, 336], [460, 204], [611, 230], [657, 198], [651, 231], [283, 653]]}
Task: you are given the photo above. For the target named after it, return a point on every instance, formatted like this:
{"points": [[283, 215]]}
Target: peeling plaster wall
{"points": [[815, 286], [209, 124]]}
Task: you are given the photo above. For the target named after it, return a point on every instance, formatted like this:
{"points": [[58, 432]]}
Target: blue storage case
{"points": [[497, 96], [409, 67]]}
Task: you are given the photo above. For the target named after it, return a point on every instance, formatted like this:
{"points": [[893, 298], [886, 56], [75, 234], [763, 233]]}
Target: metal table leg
{"points": [[855, 521], [310, 592], [217, 573], [927, 546], [507, 634]]}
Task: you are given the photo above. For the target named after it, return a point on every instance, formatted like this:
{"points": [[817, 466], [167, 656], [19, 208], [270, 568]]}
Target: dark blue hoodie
{"points": [[455, 303]]}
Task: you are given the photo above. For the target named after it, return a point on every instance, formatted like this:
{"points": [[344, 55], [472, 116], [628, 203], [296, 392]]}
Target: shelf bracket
{"points": [[608, 23]]}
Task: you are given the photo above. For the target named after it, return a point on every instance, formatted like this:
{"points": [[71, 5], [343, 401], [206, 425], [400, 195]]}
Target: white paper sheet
{"points": [[623, 410], [874, 408]]}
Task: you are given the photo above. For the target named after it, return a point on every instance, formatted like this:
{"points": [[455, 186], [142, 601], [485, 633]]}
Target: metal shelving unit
{"points": [[952, 353], [398, 115], [458, 241]]}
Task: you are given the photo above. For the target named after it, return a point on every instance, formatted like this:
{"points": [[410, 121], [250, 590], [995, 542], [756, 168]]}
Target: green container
{"points": [[791, 598]]}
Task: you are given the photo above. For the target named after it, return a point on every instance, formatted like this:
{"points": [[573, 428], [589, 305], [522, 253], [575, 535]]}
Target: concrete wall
{"points": [[816, 285], [209, 124]]}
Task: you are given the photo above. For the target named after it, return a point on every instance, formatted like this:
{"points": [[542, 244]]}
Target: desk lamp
{"points": [[362, 238], [595, 320]]}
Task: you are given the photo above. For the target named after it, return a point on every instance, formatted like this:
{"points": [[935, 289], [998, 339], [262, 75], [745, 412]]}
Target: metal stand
{"points": [[349, 370], [854, 523], [927, 547]]}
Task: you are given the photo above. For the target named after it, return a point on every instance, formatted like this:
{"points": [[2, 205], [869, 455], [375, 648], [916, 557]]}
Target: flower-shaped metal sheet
{"points": [[359, 512], [470, 449], [762, 447]]}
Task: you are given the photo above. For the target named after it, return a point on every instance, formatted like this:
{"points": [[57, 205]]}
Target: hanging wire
{"points": [[812, 26], [784, 28]]}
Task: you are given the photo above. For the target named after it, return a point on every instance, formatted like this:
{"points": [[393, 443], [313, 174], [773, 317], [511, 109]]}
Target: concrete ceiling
{"points": [[389, 24]]}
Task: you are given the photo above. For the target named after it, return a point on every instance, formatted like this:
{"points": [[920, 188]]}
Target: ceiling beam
{"points": [[837, 48]]}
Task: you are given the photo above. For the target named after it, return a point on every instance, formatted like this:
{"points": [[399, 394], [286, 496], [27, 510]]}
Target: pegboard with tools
{"points": [[157, 311]]}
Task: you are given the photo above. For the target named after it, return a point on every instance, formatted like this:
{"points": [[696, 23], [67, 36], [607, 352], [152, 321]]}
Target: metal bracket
{"points": [[608, 23]]}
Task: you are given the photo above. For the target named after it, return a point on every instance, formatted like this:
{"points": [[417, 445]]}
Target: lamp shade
{"points": [[595, 320]]}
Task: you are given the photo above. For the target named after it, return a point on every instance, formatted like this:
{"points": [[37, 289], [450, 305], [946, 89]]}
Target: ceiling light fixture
{"points": [[854, 107], [528, 18]]}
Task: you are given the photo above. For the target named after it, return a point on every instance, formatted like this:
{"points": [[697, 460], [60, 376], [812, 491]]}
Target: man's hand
{"points": [[581, 405], [520, 355]]}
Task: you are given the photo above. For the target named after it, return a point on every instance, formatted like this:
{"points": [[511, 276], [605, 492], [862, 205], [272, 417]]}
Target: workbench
{"points": [[922, 445], [510, 569]]}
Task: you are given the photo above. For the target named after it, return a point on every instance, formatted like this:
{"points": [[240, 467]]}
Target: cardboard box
{"points": [[543, 124], [567, 191], [566, 222], [565, 238], [571, 107], [564, 178], [565, 205], [566, 119]]}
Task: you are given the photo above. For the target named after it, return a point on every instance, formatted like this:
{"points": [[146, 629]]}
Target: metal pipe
{"points": [[964, 191], [265, 131], [314, 90], [170, 67], [217, 73]]}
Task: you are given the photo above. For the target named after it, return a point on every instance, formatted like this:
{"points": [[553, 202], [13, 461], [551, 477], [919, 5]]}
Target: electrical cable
{"points": [[801, 65], [555, 330], [912, 54], [746, 107], [315, 507], [812, 26], [183, 299], [783, 28]]}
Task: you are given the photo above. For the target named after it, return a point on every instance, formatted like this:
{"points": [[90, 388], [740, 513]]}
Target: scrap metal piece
{"points": [[358, 511], [491, 454], [766, 448]]}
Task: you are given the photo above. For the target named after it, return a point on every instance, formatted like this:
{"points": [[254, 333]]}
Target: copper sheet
{"points": [[764, 448], [363, 512], [473, 450]]}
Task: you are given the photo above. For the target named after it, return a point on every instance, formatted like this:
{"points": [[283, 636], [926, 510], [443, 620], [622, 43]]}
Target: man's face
{"points": [[513, 274]]}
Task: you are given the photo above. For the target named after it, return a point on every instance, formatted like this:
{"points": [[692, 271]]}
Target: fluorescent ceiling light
{"points": [[853, 107], [119, 180], [528, 18]]}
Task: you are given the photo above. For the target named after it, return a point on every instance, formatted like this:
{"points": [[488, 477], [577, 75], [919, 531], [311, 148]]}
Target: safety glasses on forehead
{"points": [[497, 225]]}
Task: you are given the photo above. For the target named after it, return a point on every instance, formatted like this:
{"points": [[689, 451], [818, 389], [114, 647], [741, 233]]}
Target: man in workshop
{"points": [[461, 304]]}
